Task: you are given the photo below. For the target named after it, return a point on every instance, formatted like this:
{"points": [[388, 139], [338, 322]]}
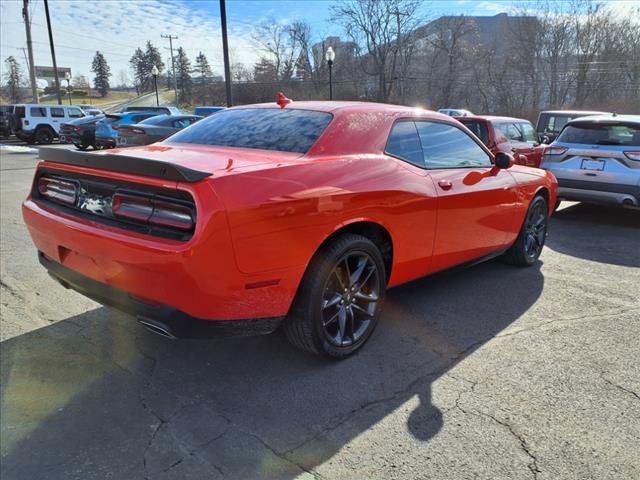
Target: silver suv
{"points": [[597, 160]]}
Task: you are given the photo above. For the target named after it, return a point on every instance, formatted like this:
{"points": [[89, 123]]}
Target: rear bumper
{"points": [[599, 192], [159, 318], [198, 277], [106, 142]]}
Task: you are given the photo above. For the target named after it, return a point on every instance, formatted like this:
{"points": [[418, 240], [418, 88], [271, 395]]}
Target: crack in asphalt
{"points": [[620, 387], [533, 464]]}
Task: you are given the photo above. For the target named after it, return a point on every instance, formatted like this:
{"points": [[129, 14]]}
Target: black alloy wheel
{"points": [[527, 248], [350, 298], [340, 297]]}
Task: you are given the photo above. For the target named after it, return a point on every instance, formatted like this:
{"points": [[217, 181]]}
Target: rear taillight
{"points": [[76, 129], [114, 126], [151, 210], [132, 130], [555, 150], [633, 155], [58, 190]]}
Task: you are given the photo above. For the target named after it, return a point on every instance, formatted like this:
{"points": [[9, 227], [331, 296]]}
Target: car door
{"points": [[477, 203], [57, 117]]}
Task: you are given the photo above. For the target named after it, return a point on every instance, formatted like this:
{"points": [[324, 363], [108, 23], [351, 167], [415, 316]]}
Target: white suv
{"points": [[37, 123]]}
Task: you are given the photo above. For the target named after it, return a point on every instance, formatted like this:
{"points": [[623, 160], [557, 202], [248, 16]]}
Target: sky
{"points": [[117, 27]]}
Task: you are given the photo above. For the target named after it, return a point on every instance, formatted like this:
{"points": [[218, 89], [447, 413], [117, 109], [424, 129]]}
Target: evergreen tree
{"points": [[183, 76], [142, 63], [13, 78], [102, 73], [202, 66], [137, 65]]}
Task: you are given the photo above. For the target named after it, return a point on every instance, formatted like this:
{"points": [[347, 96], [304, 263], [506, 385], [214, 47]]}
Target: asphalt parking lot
{"points": [[493, 372]]}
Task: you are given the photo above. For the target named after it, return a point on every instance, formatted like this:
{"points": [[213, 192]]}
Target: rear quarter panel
{"points": [[280, 216]]}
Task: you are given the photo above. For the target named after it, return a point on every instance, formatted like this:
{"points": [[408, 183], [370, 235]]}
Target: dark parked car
{"points": [[551, 122], [6, 120], [81, 132], [153, 129]]}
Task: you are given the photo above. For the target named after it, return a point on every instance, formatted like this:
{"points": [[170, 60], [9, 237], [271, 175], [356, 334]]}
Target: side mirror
{"points": [[503, 160]]}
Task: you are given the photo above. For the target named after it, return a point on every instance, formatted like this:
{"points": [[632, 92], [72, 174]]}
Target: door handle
{"points": [[445, 184]]}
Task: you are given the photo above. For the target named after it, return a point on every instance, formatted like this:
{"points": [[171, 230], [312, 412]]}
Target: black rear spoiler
{"points": [[123, 164]]}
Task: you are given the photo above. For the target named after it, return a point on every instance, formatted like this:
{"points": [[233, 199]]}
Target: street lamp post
{"points": [[330, 56], [67, 77], [155, 72]]}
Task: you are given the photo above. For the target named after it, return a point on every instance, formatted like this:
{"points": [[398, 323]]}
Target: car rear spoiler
{"points": [[123, 164]]}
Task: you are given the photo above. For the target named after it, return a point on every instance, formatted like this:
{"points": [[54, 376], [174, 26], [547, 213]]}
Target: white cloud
{"points": [[116, 28]]}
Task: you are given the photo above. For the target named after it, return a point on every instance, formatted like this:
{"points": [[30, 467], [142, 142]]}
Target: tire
{"points": [[327, 319], [527, 248], [81, 146], [44, 136]]}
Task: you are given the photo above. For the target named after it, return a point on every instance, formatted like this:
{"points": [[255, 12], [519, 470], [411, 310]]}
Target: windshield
{"points": [[602, 134], [286, 130]]}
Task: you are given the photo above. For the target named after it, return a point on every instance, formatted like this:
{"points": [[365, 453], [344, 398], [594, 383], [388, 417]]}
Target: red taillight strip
{"points": [[58, 190], [555, 150], [151, 210]]}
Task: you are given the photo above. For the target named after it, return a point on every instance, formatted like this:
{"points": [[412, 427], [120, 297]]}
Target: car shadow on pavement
{"points": [[598, 233], [97, 396]]}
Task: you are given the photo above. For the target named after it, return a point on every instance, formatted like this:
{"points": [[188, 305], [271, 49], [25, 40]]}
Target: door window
{"points": [[57, 112], [528, 133], [38, 111], [404, 143], [446, 146], [75, 113]]}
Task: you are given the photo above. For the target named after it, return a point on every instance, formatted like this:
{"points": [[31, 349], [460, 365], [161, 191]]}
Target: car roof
{"points": [[573, 112], [607, 119], [492, 118], [346, 107]]}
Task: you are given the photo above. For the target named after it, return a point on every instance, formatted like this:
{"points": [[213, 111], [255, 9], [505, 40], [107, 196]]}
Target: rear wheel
{"points": [[339, 300], [81, 146], [44, 136], [528, 246]]}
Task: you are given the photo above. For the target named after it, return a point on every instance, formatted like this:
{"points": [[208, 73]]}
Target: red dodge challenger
{"points": [[298, 214]]}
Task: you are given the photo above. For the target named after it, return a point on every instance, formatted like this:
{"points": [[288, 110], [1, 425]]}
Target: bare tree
{"points": [[380, 27]]}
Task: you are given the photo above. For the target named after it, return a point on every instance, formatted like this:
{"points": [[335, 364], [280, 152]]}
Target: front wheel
{"points": [[528, 246], [339, 300]]}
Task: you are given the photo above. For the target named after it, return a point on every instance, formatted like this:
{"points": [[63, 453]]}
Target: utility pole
{"points": [[173, 64], [53, 51], [225, 51], [32, 72], [397, 13]]}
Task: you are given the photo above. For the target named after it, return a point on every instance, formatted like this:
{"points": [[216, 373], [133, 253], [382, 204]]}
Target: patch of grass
{"points": [[111, 97]]}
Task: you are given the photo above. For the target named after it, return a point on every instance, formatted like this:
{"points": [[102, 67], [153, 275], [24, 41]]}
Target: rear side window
{"points": [[552, 123], [601, 134], [479, 129], [38, 111], [285, 130], [445, 146], [404, 143], [57, 112], [75, 113], [139, 118]]}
